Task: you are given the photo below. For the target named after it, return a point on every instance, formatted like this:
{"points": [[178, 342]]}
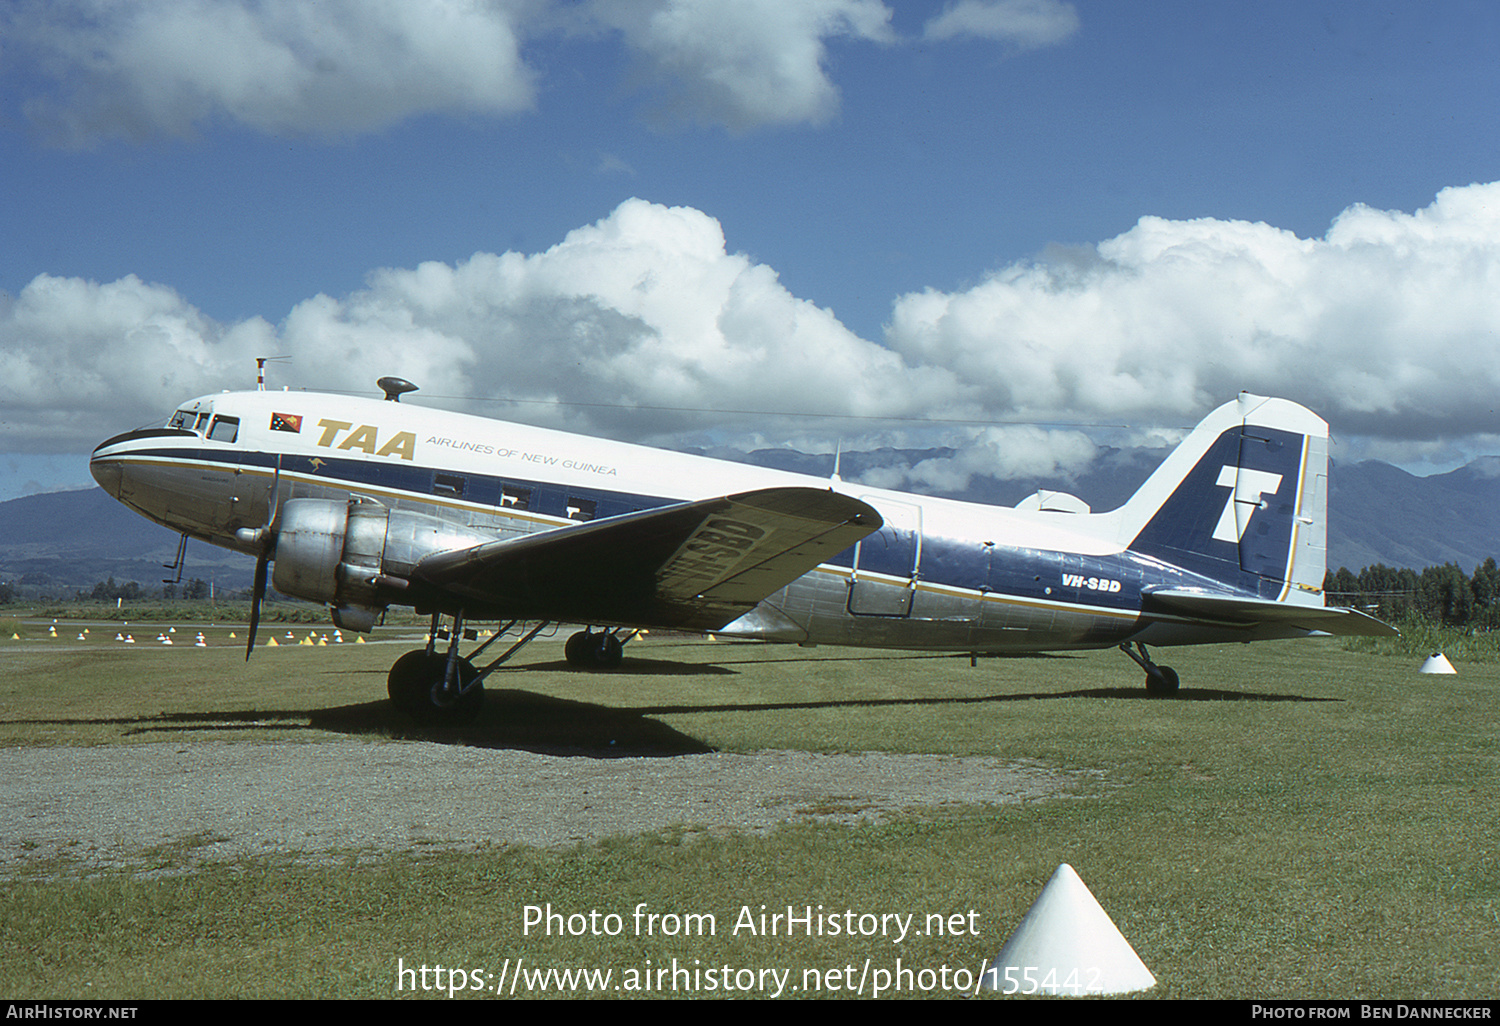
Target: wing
{"points": [[697, 565], [1233, 609]]}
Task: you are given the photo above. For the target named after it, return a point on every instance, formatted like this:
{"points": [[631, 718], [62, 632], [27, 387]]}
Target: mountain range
{"points": [[64, 541]]}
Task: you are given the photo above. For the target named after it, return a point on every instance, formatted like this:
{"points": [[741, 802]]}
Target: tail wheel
{"points": [[416, 686], [1161, 680]]}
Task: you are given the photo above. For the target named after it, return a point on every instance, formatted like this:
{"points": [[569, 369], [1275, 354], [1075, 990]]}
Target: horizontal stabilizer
{"points": [[1238, 609], [696, 565]]}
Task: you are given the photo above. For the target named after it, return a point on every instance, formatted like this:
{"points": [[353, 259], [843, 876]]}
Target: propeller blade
{"points": [[267, 543], [255, 599], [273, 500]]}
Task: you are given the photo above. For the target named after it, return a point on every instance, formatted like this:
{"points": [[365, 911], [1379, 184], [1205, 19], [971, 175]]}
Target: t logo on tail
{"points": [[1245, 486]]}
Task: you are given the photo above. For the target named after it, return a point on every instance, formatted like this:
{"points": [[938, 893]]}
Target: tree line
{"points": [[110, 591], [1441, 594]]}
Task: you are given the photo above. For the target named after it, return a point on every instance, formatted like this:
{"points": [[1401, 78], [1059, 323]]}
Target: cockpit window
{"points": [[181, 419], [225, 429]]}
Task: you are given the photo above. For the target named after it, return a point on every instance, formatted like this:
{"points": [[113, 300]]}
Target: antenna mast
{"points": [[260, 370]]}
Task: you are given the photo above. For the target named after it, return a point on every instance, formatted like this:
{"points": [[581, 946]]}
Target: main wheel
{"points": [[579, 649], [610, 652], [590, 651], [416, 688]]}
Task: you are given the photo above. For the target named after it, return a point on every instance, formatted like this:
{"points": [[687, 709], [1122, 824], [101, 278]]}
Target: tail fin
{"points": [[1243, 500]]}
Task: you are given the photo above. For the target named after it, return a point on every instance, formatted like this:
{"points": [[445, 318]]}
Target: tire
{"points": [[1163, 681], [590, 651], [609, 652], [415, 687], [579, 649]]}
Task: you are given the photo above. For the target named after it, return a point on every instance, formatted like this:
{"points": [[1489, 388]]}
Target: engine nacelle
{"points": [[350, 555]]}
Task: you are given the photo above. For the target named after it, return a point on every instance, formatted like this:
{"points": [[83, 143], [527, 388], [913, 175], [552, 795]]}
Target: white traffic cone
{"points": [[1067, 945]]}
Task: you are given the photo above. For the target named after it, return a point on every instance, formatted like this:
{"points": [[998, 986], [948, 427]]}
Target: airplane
{"points": [[363, 503]]}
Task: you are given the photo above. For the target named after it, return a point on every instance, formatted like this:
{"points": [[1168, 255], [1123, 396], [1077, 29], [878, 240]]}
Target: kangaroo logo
{"points": [[1245, 486]]}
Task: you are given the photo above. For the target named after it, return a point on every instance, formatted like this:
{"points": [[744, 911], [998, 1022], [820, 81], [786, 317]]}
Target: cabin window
{"points": [[225, 429], [202, 423], [581, 509], [447, 484], [515, 498]]}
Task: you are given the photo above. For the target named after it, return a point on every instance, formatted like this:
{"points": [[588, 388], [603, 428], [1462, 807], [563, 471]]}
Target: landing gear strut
{"points": [[437, 687], [1160, 680]]}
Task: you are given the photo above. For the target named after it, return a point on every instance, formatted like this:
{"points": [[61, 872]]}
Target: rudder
{"points": [[1242, 500]]}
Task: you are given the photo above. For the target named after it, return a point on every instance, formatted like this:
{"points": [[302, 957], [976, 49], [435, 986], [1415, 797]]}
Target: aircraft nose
{"points": [[107, 472]]}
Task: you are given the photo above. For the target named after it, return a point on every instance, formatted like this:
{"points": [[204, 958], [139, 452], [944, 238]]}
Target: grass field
{"points": [[1301, 821]]}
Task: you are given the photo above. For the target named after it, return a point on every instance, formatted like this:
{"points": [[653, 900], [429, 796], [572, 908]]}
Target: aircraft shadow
{"points": [[646, 667], [516, 720], [530, 722], [1184, 695], [546, 725]]}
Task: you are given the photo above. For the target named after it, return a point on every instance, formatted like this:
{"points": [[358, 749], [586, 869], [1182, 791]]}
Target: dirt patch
{"points": [[132, 806]]}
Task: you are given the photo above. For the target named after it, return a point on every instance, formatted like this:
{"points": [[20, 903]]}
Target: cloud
{"points": [[645, 308], [92, 70], [1005, 452], [744, 64], [337, 67], [1026, 24], [1387, 325], [79, 358]]}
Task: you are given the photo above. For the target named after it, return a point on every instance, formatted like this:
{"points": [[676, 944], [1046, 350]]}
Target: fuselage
{"points": [[940, 574]]}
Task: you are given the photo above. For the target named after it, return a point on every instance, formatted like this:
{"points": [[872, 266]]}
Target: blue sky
{"points": [[1015, 211]]}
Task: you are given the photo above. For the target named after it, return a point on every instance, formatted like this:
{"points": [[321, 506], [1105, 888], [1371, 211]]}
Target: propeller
{"points": [[260, 592], [265, 538]]}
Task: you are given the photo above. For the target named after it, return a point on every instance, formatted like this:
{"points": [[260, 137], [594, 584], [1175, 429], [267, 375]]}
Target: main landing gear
{"points": [[603, 650], [1160, 680], [444, 687]]}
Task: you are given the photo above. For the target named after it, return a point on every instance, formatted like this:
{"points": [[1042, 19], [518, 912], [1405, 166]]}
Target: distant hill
{"points": [[1377, 514], [72, 540], [1381, 514]]}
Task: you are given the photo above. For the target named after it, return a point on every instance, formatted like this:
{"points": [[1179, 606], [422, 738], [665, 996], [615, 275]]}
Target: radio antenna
{"points": [[260, 370]]}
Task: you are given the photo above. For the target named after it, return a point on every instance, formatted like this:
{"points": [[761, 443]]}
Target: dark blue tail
{"points": [[1243, 500]]}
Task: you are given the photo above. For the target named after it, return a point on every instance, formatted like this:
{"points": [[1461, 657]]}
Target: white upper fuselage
{"points": [[405, 435]]}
